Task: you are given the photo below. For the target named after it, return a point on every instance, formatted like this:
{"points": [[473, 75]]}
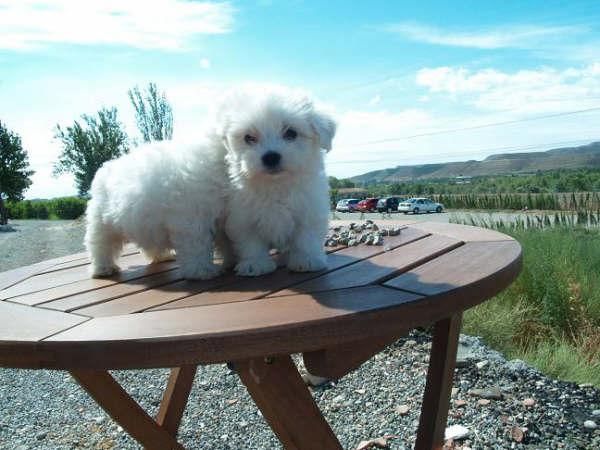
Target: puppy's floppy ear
{"points": [[324, 128]]}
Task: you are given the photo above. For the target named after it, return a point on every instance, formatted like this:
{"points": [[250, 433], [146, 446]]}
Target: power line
{"points": [[508, 149], [475, 127]]}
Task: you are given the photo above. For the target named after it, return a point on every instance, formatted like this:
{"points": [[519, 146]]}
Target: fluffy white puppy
{"points": [[279, 191], [258, 176], [162, 197]]}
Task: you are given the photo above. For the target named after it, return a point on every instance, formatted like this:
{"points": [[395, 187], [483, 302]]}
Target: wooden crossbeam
{"points": [[286, 403], [335, 362], [175, 398], [124, 410]]}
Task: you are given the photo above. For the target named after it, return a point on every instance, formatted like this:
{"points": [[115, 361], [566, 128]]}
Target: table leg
{"points": [[436, 399], [175, 398], [124, 410], [286, 403], [335, 362]]}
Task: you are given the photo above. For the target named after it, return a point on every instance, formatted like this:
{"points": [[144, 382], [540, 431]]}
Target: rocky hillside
{"points": [[585, 156]]}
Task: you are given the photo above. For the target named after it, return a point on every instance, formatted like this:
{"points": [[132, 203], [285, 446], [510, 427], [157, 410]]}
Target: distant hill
{"points": [[584, 156]]}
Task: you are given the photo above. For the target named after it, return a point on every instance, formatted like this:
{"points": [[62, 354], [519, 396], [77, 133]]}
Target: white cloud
{"points": [[516, 36], [205, 63], [375, 100], [526, 91], [161, 24]]}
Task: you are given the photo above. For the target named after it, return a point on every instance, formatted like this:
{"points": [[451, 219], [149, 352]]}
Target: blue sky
{"points": [[408, 82]]}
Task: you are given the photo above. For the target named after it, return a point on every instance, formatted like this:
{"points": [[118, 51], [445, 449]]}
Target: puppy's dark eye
{"points": [[250, 140], [290, 134]]}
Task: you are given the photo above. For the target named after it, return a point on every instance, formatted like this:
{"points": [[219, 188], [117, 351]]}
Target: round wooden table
{"points": [[53, 316]]}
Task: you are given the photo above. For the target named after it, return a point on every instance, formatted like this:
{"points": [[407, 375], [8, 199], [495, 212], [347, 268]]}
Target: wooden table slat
{"points": [[132, 274], [15, 276], [26, 324], [221, 319], [231, 288], [251, 288], [50, 280], [460, 267], [369, 271], [465, 233], [80, 259], [92, 297]]}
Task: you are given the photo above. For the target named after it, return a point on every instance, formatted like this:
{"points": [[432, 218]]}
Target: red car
{"points": [[368, 205]]}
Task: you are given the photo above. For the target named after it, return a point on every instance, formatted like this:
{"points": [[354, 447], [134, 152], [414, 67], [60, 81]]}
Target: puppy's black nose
{"points": [[271, 159]]}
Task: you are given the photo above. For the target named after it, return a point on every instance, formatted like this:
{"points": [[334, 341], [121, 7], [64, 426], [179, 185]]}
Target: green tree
{"points": [[14, 170], [153, 113], [87, 147]]}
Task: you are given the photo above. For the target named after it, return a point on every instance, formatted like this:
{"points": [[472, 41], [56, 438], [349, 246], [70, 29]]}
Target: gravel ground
{"points": [[36, 240], [47, 410]]}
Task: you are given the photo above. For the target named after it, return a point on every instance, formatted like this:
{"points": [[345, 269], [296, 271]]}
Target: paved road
{"points": [[446, 216]]}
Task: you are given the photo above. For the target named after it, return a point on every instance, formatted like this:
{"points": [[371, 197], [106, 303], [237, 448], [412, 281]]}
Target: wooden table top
{"points": [[52, 315]]}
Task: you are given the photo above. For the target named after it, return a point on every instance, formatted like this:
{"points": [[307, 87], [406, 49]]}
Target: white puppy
{"points": [[259, 176], [162, 197], [279, 191]]}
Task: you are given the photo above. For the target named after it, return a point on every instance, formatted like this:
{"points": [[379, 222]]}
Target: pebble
{"points": [[338, 399], [596, 412], [517, 433], [493, 393], [41, 436], [402, 409], [517, 366], [481, 364], [456, 432], [590, 425], [528, 402], [354, 234]]}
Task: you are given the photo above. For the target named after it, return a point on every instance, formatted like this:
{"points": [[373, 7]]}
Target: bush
{"points": [[66, 208], [550, 316]]}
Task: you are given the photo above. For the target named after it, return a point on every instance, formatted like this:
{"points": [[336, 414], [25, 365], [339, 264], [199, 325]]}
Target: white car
{"points": [[419, 205], [347, 205]]}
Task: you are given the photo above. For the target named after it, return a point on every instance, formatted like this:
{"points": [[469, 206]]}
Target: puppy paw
{"points": [[255, 267], [302, 262], [158, 257], [200, 271], [103, 270]]}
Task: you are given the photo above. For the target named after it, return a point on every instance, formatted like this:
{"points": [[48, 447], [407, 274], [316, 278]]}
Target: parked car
{"points": [[368, 205], [347, 205], [386, 204], [418, 205]]}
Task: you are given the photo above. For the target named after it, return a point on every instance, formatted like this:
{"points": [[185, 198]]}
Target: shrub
{"points": [[550, 316], [66, 208]]}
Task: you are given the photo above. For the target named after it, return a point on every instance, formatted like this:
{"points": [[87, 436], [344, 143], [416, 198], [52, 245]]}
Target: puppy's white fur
{"points": [[162, 197], [166, 197], [287, 210]]}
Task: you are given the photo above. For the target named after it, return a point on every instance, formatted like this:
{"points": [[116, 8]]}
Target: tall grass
{"points": [[572, 201], [66, 208], [586, 219], [550, 316]]}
